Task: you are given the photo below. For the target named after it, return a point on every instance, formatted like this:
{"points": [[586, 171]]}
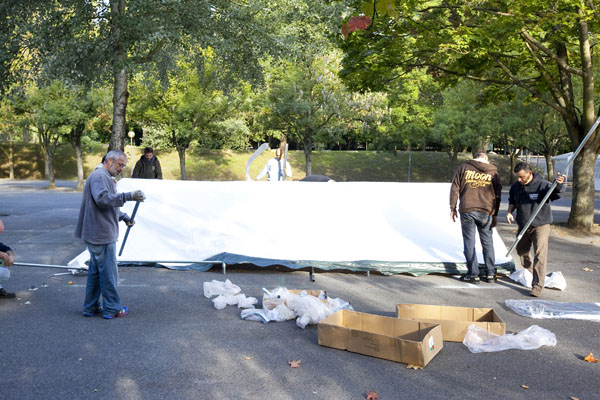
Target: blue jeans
{"points": [[482, 223], [102, 279]]}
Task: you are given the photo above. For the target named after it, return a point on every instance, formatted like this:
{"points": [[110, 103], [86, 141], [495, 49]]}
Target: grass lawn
{"points": [[227, 165]]}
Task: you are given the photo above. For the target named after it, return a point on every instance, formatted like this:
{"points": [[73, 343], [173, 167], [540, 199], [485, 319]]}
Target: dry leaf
{"points": [[590, 358], [525, 386], [586, 269], [294, 363], [247, 358], [573, 398], [413, 366], [372, 395]]}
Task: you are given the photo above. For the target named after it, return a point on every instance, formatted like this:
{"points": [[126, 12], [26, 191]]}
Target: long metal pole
{"points": [[564, 171], [137, 204], [21, 264]]}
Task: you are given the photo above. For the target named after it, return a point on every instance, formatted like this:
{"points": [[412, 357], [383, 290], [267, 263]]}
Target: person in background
{"points": [[476, 186], [148, 166], [98, 227], [275, 170], [524, 196], [7, 258]]}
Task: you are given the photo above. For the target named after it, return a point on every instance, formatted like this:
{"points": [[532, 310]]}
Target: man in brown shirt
{"points": [[476, 186]]}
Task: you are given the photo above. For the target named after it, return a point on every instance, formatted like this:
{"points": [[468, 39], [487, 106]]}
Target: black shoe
{"points": [[491, 279], [6, 295], [470, 279]]}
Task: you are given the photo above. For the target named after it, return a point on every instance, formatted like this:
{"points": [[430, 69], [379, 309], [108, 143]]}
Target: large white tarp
{"points": [[352, 225]]}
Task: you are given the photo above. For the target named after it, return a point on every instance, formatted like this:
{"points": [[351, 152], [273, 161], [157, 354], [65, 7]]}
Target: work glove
{"points": [[138, 195]]}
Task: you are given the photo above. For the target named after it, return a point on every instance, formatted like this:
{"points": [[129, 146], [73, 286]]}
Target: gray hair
{"points": [[480, 154], [114, 155]]}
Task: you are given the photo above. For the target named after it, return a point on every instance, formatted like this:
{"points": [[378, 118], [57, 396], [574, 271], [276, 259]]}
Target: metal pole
{"points": [[21, 264], [564, 171], [137, 204]]}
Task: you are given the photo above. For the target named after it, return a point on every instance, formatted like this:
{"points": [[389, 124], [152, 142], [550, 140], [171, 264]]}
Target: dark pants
{"points": [[476, 221], [538, 237]]}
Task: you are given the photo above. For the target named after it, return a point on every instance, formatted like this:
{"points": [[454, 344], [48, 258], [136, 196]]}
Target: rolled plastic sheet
{"points": [[546, 309]]}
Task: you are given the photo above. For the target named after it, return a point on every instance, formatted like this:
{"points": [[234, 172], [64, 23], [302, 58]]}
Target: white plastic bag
{"points": [[555, 280], [522, 276], [216, 288], [478, 340]]}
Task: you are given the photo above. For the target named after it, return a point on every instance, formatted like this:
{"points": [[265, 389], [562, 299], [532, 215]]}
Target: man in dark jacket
{"points": [[476, 185], [148, 166], [524, 196]]}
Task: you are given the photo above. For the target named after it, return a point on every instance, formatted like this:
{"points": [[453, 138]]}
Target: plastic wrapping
{"points": [[545, 309], [216, 288], [278, 314], [555, 280], [478, 340], [241, 300], [305, 308]]}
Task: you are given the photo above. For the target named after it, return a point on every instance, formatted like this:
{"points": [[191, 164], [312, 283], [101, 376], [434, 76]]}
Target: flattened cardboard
{"points": [[270, 303], [453, 320], [405, 341]]}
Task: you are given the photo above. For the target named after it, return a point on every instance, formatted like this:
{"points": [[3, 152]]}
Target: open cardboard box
{"points": [[405, 341], [270, 303], [453, 320]]}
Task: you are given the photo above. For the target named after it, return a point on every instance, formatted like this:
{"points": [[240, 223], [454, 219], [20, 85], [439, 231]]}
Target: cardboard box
{"points": [[405, 341], [270, 303], [453, 320]]}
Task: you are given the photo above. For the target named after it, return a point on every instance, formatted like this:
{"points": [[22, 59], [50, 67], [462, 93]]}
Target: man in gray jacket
{"points": [[98, 226]]}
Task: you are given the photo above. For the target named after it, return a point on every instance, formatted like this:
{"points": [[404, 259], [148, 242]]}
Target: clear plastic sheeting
{"points": [[221, 301], [554, 280], [546, 309], [307, 309], [217, 288], [478, 340]]}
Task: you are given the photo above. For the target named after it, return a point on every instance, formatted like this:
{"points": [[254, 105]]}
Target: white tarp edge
{"points": [[335, 221]]}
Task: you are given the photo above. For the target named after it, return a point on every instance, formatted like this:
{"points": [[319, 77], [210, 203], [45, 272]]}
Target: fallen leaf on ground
{"points": [[372, 395], [590, 358], [573, 398], [413, 366], [525, 386], [586, 269], [247, 358], [294, 363]]}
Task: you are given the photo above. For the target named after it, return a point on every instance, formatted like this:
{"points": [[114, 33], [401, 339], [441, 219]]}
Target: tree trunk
{"points": [[79, 155], [307, 142], [582, 204], [181, 152], [549, 165], [11, 161], [120, 93]]}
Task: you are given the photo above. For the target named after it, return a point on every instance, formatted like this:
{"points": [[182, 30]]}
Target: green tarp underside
{"points": [[383, 267]]}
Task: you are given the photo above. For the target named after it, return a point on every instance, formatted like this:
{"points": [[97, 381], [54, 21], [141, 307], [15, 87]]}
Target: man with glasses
{"points": [[98, 226]]}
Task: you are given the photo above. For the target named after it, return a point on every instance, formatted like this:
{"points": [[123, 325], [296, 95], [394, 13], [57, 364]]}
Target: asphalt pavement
{"points": [[175, 344]]}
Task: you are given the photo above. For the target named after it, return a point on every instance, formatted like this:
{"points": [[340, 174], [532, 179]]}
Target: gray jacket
{"points": [[99, 214]]}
